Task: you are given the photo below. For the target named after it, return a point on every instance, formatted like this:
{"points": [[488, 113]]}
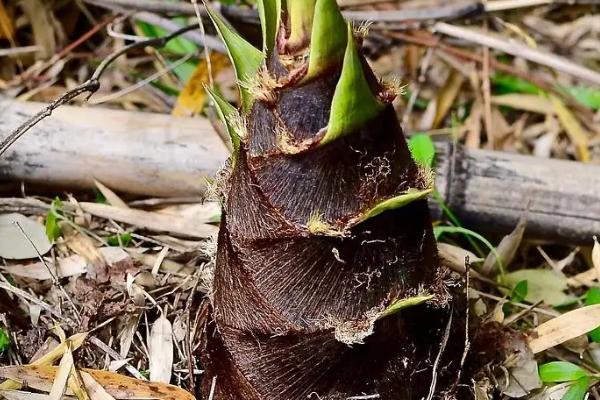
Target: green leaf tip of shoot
{"points": [[301, 14], [270, 17], [226, 113], [396, 202], [246, 59], [328, 38], [353, 102], [405, 303]]}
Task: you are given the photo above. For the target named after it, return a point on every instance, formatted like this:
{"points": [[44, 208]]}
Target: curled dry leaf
{"points": [[455, 257], [160, 347], [565, 327], [596, 257], [506, 249]]}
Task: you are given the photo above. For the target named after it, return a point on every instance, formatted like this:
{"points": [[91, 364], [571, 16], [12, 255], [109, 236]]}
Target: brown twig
{"points": [[426, 39], [90, 86], [161, 6]]}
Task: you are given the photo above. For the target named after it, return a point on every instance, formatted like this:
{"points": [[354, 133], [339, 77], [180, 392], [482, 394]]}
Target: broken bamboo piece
{"points": [[159, 155]]}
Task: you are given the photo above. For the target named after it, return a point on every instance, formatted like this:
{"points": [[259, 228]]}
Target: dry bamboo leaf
{"points": [[127, 331], [473, 125], [578, 136], [20, 395], [95, 390], [118, 386], [160, 347], [59, 385], [7, 29], [110, 196], [77, 386], [192, 98], [67, 267], [49, 358], [506, 250], [209, 211], [40, 17], [565, 327], [84, 246], [525, 102], [455, 256], [151, 220], [447, 95], [596, 257], [587, 278]]}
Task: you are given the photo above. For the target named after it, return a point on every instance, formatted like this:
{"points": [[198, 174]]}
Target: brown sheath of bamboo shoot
{"points": [[159, 155]]}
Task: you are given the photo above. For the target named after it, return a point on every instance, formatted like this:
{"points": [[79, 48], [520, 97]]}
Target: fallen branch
{"points": [[159, 155], [90, 86]]}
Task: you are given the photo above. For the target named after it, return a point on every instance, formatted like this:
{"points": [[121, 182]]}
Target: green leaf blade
{"points": [[561, 371], [593, 297], [578, 389]]}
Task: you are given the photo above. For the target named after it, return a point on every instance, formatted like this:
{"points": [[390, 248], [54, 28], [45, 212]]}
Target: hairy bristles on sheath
{"points": [[362, 30], [262, 86]]}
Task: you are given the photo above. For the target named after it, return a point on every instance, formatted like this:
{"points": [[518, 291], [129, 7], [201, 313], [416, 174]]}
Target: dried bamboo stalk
{"points": [[159, 155]]}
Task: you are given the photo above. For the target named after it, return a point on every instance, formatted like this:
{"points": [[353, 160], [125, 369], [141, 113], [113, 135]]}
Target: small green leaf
{"points": [[226, 112], [246, 59], [542, 285], [587, 96], [519, 292], [505, 84], [561, 371], [405, 303], [422, 149], [396, 202], [301, 13], [177, 46], [578, 390], [270, 16], [593, 297], [123, 239], [328, 38], [53, 230], [4, 340], [353, 102]]}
